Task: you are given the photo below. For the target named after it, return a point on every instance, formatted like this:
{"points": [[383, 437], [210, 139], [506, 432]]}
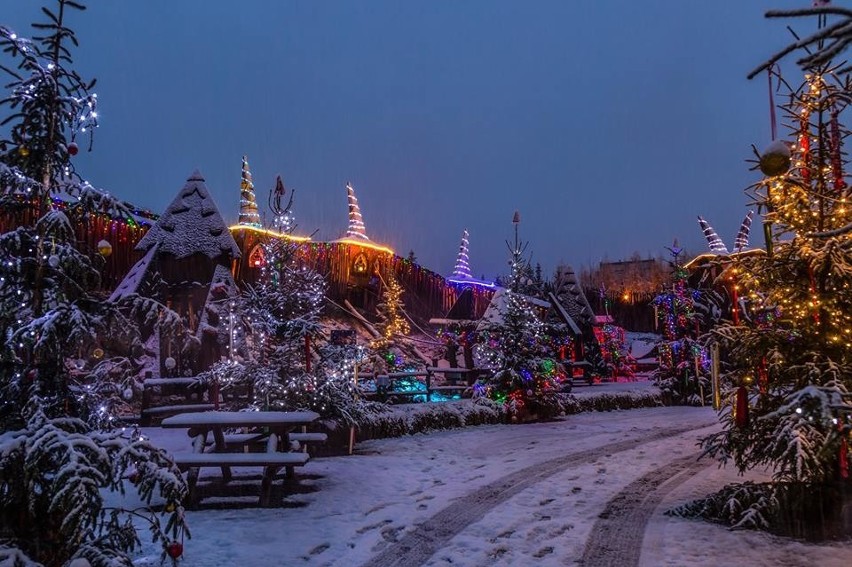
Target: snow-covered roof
{"points": [[496, 310], [563, 314], [222, 288], [130, 284], [191, 224]]}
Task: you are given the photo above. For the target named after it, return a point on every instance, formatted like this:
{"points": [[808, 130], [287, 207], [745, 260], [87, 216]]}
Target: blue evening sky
{"points": [[608, 124]]}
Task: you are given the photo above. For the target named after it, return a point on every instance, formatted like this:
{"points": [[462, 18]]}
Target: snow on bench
{"points": [[160, 410], [271, 462]]}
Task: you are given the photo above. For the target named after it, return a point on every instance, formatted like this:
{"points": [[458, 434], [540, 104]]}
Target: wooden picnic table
{"points": [[272, 427]]}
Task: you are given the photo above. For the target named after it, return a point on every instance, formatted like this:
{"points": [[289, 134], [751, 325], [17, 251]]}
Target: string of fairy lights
{"points": [[808, 203]]}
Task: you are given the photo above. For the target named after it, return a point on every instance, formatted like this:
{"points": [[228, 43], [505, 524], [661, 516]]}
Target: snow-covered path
{"points": [[496, 495]]}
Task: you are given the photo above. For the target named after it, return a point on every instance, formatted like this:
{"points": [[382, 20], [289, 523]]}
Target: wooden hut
{"points": [[186, 252]]}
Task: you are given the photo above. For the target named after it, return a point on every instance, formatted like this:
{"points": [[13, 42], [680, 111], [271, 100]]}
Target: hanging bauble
{"points": [[133, 477], [775, 159], [174, 549], [127, 394], [170, 507], [104, 248], [170, 363], [98, 353], [53, 261], [741, 415], [73, 149], [24, 151]]}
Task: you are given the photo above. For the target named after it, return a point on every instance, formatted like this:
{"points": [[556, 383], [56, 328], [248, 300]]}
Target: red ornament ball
{"points": [[73, 149], [174, 549]]}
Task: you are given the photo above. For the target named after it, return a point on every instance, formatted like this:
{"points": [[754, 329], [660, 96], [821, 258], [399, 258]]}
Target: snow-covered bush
{"points": [[54, 477]]}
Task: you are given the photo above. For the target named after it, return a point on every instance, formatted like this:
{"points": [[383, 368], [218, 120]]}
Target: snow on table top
{"points": [[240, 418]]}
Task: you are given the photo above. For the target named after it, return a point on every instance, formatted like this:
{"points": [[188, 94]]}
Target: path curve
{"points": [[616, 537], [416, 547]]}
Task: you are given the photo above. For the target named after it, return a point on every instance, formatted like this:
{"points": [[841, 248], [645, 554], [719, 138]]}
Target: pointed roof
{"points": [[222, 290], [248, 203], [462, 269], [191, 224], [356, 228], [134, 278], [573, 299]]}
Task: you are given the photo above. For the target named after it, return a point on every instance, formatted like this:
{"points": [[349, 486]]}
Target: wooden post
{"points": [[428, 384], [714, 376]]}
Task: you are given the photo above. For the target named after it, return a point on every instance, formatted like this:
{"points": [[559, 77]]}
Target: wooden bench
{"points": [[273, 428], [246, 440], [271, 462]]}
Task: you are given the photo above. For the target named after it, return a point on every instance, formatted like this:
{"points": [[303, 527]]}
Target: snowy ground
{"points": [[499, 495]]}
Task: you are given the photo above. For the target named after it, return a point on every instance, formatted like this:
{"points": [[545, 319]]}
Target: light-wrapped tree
{"points": [[56, 468], [788, 367]]}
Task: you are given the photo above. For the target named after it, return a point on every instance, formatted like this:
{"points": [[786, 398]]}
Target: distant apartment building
{"points": [[630, 280]]}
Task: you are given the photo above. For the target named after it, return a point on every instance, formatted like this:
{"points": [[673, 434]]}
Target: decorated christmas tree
{"points": [[391, 313], [61, 457], [787, 373], [277, 347], [512, 343], [681, 374]]}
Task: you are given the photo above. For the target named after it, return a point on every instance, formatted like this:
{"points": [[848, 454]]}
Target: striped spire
{"points": [[356, 222], [742, 236], [462, 269], [716, 244], [248, 204]]}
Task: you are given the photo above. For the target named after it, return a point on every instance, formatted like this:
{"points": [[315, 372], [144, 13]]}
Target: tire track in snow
{"points": [[416, 547], [616, 537]]}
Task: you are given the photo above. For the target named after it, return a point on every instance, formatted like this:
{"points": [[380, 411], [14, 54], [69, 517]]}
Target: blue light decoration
{"points": [[461, 272]]}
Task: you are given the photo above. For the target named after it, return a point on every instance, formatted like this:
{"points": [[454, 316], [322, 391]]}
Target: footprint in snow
{"points": [[319, 549], [542, 552], [365, 529], [376, 509]]}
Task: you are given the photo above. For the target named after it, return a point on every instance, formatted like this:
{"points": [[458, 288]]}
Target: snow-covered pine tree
{"points": [[792, 368], [54, 467], [680, 375], [513, 345], [290, 365]]}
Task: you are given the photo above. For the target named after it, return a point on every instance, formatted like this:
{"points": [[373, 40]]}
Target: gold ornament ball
{"points": [[98, 353], [24, 151], [105, 248], [775, 160]]}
